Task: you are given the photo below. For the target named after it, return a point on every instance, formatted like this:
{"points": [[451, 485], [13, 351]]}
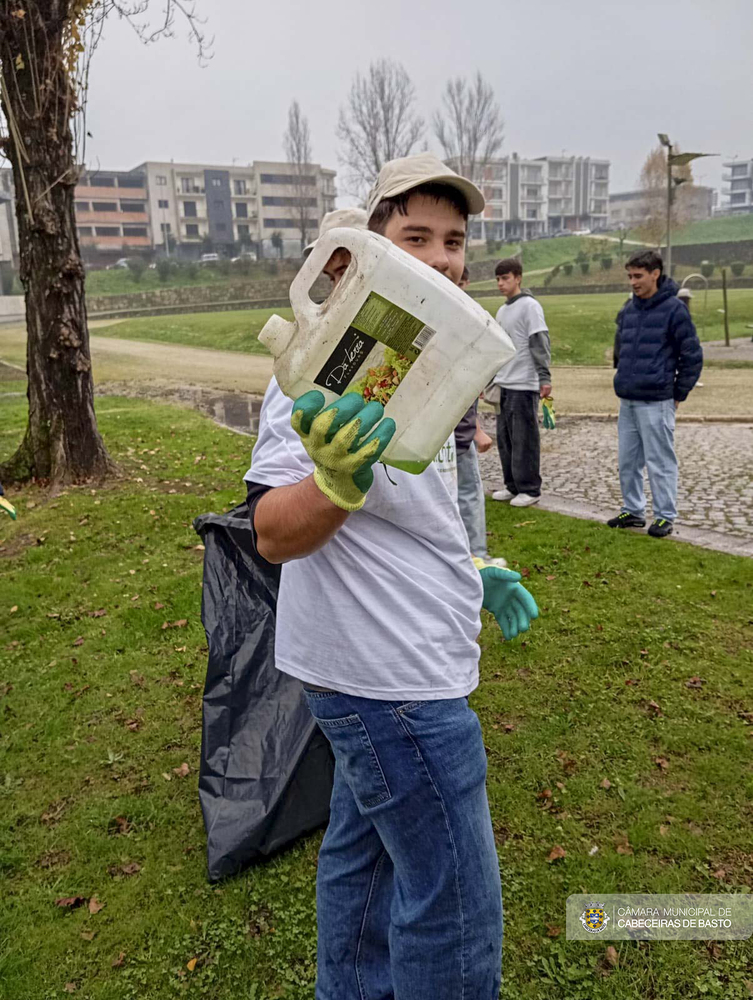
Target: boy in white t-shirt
{"points": [[523, 380], [377, 615]]}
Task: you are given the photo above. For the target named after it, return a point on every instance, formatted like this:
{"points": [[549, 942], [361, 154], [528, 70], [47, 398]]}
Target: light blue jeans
{"points": [[646, 439], [409, 903], [471, 500]]}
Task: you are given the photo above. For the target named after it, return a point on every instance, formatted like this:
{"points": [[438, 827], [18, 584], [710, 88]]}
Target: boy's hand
{"points": [[507, 599], [482, 439], [544, 391], [339, 444]]}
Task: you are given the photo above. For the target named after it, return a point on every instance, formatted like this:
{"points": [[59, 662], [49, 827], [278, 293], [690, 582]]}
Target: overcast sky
{"points": [[594, 77]]}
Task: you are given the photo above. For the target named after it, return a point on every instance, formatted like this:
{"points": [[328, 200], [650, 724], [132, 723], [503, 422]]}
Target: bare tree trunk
{"points": [[62, 443], [297, 143]]}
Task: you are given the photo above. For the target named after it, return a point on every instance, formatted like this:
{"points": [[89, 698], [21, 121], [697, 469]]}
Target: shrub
{"points": [[581, 257], [707, 268], [224, 267], [549, 278], [555, 270], [136, 268], [164, 269], [567, 268], [606, 263], [737, 267], [585, 266], [192, 270]]}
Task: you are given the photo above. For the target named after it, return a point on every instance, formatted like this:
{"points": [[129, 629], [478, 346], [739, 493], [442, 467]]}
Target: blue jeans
{"points": [[646, 438], [471, 500], [409, 904]]}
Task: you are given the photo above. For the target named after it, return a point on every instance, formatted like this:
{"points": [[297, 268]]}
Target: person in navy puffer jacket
{"points": [[658, 358]]}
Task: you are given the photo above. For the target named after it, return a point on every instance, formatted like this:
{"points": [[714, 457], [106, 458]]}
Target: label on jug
{"points": [[378, 319]]}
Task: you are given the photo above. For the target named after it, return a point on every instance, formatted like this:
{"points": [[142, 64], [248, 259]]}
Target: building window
{"points": [[132, 206], [288, 224], [138, 181], [282, 202], [189, 209], [165, 228], [163, 203], [134, 231], [160, 180], [102, 182], [306, 179], [737, 199], [243, 231], [105, 206], [531, 213], [239, 187], [216, 182], [241, 210], [532, 192], [82, 206], [740, 170], [84, 230], [192, 229], [107, 230]]}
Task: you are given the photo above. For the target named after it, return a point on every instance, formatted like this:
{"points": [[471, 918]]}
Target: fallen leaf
{"points": [[97, 614], [122, 825], [611, 956], [14, 609], [663, 830], [662, 763], [713, 593], [553, 930], [192, 964], [136, 678], [132, 868], [622, 844], [70, 902], [158, 606], [70, 988], [95, 906], [714, 950], [118, 962], [53, 614], [606, 783], [551, 578], [525, 571], [522, 524], [654, 708], [632, 681], [177, 624], [695, 682], [133, 724], [556, 853], [78, 642], [546, 793], [183, 771], [586, 583], [88, 935], [135, 597], [166, 776], [720, 874]]}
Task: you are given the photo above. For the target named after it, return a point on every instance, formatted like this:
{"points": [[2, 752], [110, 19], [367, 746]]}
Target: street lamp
{"points": [[674, 160]]}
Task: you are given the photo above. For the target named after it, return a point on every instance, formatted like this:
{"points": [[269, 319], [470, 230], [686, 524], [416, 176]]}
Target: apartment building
{"points": [[191, 204], [530, 198], [8, 232], [737, 187], [631, 208], [112, 216]]}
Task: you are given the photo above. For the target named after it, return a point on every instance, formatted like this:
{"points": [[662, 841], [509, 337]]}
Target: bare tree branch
{"points": [[653, 184], [470, 128], [378, 123], [297, 143]]}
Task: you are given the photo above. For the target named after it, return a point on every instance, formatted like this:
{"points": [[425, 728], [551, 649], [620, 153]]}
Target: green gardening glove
{"points": [[343, 441], [547, 404], [507, 599]]}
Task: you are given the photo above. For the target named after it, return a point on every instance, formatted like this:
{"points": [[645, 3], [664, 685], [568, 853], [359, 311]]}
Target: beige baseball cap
{"points": [[408, 172], [341, 218]]}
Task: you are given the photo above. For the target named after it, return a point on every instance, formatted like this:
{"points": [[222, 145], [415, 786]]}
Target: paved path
{"points": [[579, 465]]}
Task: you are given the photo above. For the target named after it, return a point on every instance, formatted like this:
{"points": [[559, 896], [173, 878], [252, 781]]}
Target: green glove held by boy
{"points": [[343, 440], [507, 599], [550, 421]]}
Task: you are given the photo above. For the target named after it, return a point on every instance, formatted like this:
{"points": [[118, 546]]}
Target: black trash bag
{"points": [[266, 769]]}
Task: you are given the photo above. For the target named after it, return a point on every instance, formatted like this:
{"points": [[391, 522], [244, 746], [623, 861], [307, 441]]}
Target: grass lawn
{"points": [[727, 228], [538, 254], [582, 326], [640, 670], [119, 280]]}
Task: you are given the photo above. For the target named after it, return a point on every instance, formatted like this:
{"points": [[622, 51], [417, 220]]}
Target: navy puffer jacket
{"points": [[657, 352]]}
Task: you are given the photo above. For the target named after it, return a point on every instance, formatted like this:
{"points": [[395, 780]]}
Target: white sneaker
{"points": [[498, 561], [524, 500], [502, 495]]}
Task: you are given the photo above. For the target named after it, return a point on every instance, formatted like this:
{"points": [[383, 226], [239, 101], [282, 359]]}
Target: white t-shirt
{"points": [[520, 319], [389, 608]]}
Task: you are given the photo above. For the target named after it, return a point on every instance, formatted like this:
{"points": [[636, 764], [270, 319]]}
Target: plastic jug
{"points": [[388, 299]]}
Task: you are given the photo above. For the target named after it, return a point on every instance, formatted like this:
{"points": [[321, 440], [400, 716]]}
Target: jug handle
{"points": [[302, 304]]}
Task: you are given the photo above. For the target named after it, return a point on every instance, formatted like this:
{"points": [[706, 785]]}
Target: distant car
{"points": [[246, 256], [209, 258], [581, 232], [123, 262]]}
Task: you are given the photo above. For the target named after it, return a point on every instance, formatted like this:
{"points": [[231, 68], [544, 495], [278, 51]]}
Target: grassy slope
{"points": [[726, 229], [582, 326], [119, 281], [94, 729]]}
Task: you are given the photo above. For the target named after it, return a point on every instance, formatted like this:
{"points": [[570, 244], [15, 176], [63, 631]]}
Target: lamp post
{"points": [[674, 160]]}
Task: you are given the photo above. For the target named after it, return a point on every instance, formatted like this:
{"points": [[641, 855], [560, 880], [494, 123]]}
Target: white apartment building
{"points": [[243, 205], [737, 187], [526, 198]]}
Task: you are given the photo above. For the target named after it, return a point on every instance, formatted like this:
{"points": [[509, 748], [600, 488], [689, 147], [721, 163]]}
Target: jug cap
{"points": [[341, 218], [407, 172]]}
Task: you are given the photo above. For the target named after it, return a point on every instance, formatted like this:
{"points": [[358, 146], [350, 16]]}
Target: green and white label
{"points": [[392, 326]]}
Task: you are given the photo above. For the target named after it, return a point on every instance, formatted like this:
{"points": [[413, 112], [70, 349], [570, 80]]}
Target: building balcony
{"points": [[243, 194], [194, 190], [200, 217]]}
